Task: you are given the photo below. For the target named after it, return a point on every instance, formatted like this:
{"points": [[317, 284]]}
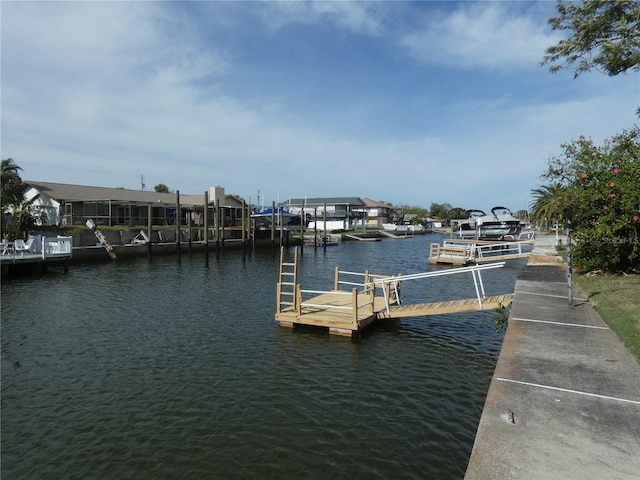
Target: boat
{"points": [[500, 224], [468, 228], [283, 218], [411, 229]]}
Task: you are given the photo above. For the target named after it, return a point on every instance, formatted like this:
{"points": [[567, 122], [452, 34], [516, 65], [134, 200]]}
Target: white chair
{"points": [[22, 246]]}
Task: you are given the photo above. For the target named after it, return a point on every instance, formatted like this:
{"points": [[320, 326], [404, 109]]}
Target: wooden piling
{"points": [[205, 222], [178, 218], [149, 230], [302, 219], [216, 226], [189, 231], [324, 218], [244, 229], [273, 227]]}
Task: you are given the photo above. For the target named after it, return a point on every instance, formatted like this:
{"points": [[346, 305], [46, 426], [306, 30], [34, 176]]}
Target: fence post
{"points": [[354, 292], [336, 279], [366, 285], [373, 297]]}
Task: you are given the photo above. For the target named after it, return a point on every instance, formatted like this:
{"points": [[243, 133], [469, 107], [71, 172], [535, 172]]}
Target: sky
{"points": [[409, 103]]}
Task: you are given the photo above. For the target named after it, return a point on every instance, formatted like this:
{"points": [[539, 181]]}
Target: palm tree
{"points": [[547, 204], [18, 215], [11, 185]]}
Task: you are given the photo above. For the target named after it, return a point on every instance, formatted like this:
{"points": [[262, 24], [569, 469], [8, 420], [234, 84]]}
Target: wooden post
{"points": [[149, 229], [178, 219], [302, 219], [222, 227], [216, 226], [354, 296], [273, 228], [315, 228], [335, 279], [366, 281], [373, 299], [205, 222], [190, 216], [244, 231], [325, 226]]}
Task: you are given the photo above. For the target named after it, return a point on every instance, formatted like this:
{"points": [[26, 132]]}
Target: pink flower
{"points": [[612, 195], [616, 171], [635, 218], [612, 184], [583, 176]]}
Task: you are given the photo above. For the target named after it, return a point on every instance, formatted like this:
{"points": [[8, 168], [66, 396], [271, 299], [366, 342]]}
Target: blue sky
{"points": [[403, 102]]}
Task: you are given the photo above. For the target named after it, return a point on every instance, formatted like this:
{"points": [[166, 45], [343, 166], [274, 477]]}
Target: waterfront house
{"points": [[66, 204], [376, 213]]}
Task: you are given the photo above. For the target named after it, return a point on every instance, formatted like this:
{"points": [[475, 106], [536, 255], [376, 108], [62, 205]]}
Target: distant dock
{"points": [[359, 299], [39, 252], [466, 252]]}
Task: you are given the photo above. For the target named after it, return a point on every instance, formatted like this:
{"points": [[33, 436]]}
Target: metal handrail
{"points": [[475, 271]]}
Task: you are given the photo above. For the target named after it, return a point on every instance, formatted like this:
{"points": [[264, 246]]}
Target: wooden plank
{"points": [[442, 308]]}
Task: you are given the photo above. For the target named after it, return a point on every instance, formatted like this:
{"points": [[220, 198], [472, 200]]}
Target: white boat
{"points": [[392, 227], [468, 228], [499, 224]]}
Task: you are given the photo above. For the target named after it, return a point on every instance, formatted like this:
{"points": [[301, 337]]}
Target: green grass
{"points": [[616, 298]]}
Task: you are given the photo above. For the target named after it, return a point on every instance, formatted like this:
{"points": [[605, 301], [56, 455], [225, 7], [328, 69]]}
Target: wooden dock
{"points": [[467, 252], [38, 251], [371, 298]]}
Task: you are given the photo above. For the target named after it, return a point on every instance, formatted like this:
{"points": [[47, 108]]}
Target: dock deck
{"points": [[372, 298], [468, 252], [40, 250]]}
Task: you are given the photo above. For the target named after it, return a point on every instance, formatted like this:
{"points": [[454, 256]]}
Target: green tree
{"points": [[440, 210], [162, 188], [11, 186], [548, 204], [17, 213], [603, 34], [600, 188], [457, 213]]}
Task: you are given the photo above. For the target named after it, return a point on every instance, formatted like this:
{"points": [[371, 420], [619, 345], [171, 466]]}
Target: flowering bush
{"points": [[601, 187]]}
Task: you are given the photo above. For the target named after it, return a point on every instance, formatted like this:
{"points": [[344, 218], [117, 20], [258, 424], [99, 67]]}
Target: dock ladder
{"points": [[287, 281]]}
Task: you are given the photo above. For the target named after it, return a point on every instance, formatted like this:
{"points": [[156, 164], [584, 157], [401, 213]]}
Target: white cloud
{"points": [[486, 35], [358, 17]]}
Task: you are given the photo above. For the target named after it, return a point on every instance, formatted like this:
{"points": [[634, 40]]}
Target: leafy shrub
{"points": [[600, 189]]}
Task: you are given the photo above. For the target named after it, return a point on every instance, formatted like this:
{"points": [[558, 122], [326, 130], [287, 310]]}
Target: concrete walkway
{"points": [[564, 401]]}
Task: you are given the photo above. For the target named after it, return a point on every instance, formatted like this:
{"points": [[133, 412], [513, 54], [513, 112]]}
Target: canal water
{"points": [[167, 370]]}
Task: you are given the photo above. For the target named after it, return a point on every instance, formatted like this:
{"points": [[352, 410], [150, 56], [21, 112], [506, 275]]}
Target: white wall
{"points": [[45, 203]]}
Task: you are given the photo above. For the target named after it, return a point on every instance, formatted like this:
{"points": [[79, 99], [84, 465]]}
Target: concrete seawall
{"points": [[564, 401]]}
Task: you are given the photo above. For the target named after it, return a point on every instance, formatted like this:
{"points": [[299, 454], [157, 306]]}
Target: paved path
{"points": [[564, 401]]}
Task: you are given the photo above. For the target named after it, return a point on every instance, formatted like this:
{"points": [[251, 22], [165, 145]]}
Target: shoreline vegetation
{"points": [[616, 298]]}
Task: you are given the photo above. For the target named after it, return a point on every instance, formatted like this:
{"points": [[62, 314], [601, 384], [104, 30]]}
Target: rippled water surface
{"points": [[152, 370]]}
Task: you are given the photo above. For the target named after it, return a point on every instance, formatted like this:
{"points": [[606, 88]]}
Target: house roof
{"points": [[79, 193], [357, 201], [372, 203]]}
